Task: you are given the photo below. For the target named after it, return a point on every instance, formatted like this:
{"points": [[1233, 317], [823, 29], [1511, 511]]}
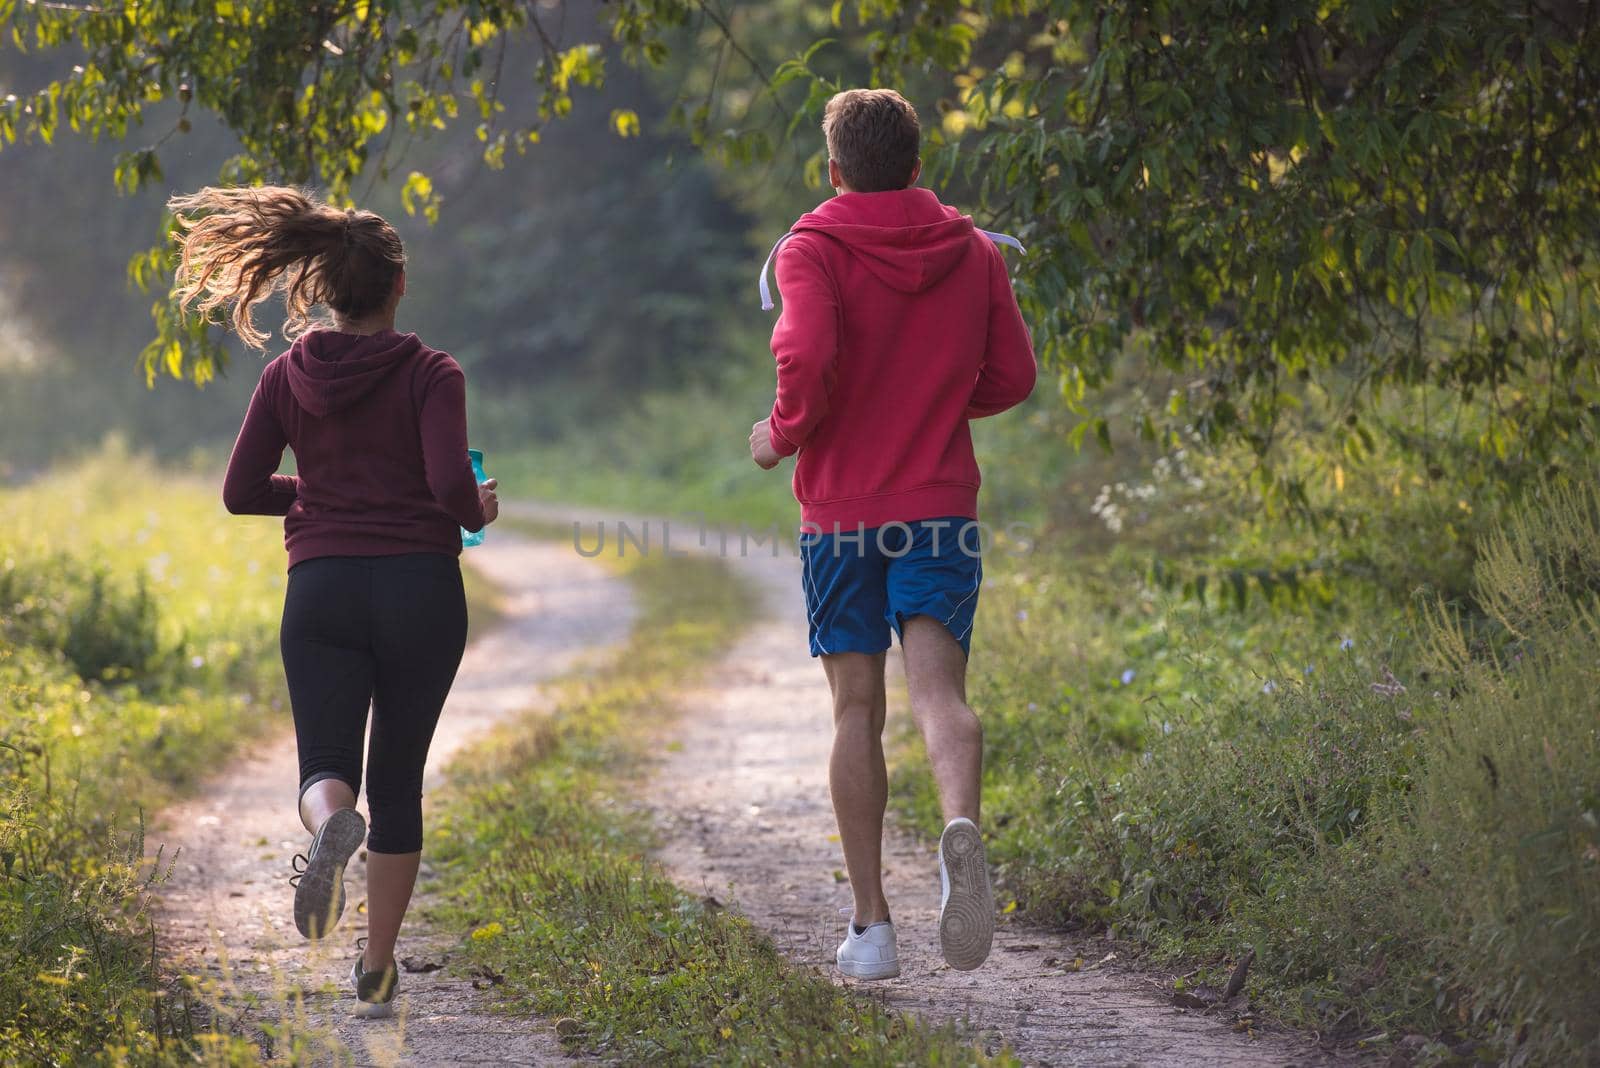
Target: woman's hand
{"points": [[490, 501]]}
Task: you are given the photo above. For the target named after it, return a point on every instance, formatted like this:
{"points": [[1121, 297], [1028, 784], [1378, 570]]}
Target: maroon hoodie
{"points": [[378, 425], [898, 326]]}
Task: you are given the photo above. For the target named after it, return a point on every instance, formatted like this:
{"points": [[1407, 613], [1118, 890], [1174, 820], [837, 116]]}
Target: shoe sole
{"points": [[966, 923], [318, 902], [860, 970], [367, 1010]]}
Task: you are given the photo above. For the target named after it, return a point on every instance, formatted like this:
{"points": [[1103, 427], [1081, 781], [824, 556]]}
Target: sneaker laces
{"points": [[299, 863]]}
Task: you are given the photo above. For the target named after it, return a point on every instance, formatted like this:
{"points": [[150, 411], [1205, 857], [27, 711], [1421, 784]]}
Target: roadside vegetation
{"points": [[137, 649], [1380, 773], [546, 861], [1354, 733]]}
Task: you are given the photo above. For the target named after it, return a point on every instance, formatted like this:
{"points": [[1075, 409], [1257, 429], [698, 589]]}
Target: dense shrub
{"points": [[1504, 823], [106, 628], [108, 707], [1386, 782]]}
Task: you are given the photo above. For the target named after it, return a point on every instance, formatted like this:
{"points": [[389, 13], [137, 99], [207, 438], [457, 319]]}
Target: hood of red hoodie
{"points": [[905, 237], [328, 371]]}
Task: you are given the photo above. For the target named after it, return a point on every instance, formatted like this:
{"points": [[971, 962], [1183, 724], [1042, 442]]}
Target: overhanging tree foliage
{"points": [[1257, 194], [320, 92], [1266, 202]]}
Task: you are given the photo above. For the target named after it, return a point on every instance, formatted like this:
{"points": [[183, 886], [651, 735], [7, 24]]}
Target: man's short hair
{"points": [[874, 137]]}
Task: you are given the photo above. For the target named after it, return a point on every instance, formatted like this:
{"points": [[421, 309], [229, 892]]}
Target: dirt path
{"points": [[225, 914], [749, 821]]}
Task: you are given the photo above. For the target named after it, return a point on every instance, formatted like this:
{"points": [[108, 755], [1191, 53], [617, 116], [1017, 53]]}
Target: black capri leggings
{"points": [[384, 631]]}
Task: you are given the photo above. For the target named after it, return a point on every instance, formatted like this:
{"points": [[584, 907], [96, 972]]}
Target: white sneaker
{"points": [[966, 906], [870, 954]]}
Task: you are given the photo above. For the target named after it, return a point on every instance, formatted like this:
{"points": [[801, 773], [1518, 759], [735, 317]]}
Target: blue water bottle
{"points": [[470, 538]]}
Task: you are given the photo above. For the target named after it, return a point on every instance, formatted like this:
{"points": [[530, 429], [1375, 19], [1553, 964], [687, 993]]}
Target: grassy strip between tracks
{"points": [[548, 865]]}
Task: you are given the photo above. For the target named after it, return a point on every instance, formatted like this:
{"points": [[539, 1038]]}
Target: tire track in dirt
{"points": [[741, 798], [225, 913]]}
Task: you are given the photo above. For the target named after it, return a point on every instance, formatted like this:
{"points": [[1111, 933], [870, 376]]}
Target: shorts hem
{"points": [[850, 647]]}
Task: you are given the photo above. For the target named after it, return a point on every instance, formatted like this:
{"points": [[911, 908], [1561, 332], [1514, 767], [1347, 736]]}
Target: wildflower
{"points": [[1388, 686], [1309, 669], [1033, 706], [1128, 677], [1022, 615], [1347, 645], [1269, 687], [197, 662]]}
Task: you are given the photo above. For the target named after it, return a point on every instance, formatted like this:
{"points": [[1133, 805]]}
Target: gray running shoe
{"points": [[374, 990], [319, 874]]}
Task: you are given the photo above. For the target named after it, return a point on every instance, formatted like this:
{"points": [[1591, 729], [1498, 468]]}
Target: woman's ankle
{"points": [[369, 962]]}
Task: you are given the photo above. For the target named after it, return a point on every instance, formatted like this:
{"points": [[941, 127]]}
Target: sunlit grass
{"points": [[137, 650]]}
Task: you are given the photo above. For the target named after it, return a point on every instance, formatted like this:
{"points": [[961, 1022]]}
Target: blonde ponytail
{"points": [[241, 245]]}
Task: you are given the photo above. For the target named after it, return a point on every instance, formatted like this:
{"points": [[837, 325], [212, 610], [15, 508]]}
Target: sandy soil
{"points": [[225, 914]]}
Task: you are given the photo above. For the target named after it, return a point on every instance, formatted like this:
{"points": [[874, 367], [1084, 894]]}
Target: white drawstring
{"points": [[766, 292], [1004, 239]]}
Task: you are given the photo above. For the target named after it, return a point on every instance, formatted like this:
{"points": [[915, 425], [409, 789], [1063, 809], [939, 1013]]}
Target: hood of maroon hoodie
{"points": [[328, 371], [905, 237]]}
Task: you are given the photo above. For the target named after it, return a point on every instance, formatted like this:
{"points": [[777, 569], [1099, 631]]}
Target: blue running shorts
{"points": [[860, 583]]}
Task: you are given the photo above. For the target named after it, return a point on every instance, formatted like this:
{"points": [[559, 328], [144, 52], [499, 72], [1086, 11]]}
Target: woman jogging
{"points": [[375, 614]]}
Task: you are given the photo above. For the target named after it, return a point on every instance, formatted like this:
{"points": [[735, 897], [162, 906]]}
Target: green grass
{"points": [[665, 454], [547, 863], [137, 649], [1403, 828]]}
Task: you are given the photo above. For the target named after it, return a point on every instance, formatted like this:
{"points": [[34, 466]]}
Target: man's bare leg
{"points": [[936, 676], [857, 776]]}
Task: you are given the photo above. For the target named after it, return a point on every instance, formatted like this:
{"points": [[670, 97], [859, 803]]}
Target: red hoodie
{"points": [[378, 425], [898, 326]]}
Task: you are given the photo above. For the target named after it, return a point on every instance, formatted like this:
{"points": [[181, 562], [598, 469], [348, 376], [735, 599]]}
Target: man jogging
{"points": [[899, 326]]}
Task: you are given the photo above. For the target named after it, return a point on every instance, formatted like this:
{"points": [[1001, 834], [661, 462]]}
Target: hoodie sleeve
{"points": [[444, 444], [252, 486], [805, 343], [1008, 372]]}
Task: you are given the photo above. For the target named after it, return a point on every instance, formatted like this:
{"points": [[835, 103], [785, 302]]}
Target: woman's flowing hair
{"points": [[240, 245]]}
